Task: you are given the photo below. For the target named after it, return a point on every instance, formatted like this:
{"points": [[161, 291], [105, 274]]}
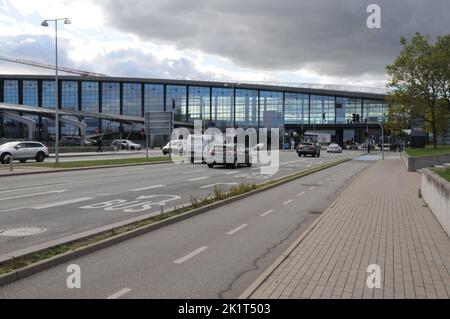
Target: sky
{"points": [[301, 41]]}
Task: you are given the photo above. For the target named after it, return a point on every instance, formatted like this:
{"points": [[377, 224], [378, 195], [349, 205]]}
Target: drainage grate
{"points": [[22, 231]]}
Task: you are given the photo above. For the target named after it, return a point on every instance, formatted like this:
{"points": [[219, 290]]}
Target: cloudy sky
{"points": [[305, 41]]}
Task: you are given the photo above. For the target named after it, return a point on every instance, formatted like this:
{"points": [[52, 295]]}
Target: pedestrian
{"points": [[99, 146]]}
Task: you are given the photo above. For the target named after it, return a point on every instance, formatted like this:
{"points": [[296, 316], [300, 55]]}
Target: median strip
{"points": [[25, 264]]}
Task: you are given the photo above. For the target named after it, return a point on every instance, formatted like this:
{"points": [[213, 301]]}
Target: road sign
{"points": [[158, 123]]}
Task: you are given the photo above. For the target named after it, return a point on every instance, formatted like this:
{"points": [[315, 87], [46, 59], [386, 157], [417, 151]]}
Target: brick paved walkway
{"points": [[378, 219]]}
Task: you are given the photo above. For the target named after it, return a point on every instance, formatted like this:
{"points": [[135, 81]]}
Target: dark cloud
{"points": [[327, 36], [124, 62]]}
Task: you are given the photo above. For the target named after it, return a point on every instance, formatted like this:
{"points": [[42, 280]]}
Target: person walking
{"points": [[99, 146]]}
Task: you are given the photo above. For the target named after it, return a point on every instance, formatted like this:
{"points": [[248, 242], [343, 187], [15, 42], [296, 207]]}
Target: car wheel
{"points": [[4, 159], [318, 155], [23, 160], [299, 155], [132, 148], [249, 164], [211, 165], [40, 157]]}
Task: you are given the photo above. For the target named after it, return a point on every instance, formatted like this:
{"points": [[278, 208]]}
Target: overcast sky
{"points": [[319, 41]]}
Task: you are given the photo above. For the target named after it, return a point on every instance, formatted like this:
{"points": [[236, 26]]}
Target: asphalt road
{"points": [[69, 203], [213, 255]]}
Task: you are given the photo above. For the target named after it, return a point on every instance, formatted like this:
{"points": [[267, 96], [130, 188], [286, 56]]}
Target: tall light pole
{"points": [[45, 24]]}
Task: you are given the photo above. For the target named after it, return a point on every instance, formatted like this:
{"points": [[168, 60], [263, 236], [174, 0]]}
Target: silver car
{"points": [[23, 151]]}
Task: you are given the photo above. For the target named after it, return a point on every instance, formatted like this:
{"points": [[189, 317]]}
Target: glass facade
{"points": [[216, 106], [110, 105], [271, 109], [222, 108], [199, 104], [322, 110], [296, 108], [374, 110], [11, 91], [90, 103], [30, 93], [176, 94], [153, 97]]}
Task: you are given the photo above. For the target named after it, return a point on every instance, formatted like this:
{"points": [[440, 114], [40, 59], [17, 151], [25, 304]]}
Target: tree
{"points": [[419, 80]]}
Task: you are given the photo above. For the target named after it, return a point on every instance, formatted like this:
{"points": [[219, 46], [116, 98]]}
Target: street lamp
{"points": [[45, 24]]}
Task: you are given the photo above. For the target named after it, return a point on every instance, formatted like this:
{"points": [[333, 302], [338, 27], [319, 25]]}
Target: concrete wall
{"points": [[414, 163], [436, 193]]}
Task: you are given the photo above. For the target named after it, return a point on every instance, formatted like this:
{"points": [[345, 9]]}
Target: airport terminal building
{"points": [[346, 113]]}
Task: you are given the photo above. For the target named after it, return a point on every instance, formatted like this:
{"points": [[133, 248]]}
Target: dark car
{"points": [[312, 149], [228, 154]]}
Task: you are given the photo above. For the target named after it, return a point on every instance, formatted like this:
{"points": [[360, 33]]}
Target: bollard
{"points": [[10, 164]]}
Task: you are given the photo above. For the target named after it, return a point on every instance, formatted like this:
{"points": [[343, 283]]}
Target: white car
{"points": [[23, 151], [126, 144], [176, 147], [334, 148]]}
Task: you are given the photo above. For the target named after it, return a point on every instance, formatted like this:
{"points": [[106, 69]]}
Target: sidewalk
{"points": [[378, 219]]}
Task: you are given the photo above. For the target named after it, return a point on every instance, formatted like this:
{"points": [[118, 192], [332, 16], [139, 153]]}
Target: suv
{"points": [[23, 151], [308, 149], [228, 154]]}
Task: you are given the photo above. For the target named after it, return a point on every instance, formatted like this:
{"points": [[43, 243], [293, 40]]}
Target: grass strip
{"points": [[428, 151], [442, 172]]}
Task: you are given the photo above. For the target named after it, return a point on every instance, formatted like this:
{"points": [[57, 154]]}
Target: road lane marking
{"points": [[190, 255], [287, 202], [12, 209], [27, 188], [120, 293], [36, 194], [197, 179], [235, 172], [231, 232], [267, 213], [312, 187], [301, 194], [210, 185], [146, 188], [193, 172], [63, 202]]}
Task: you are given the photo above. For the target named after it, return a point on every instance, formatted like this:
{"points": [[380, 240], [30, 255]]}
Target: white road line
{"points": [[12, 209], [197, 179], [288, 202], [301, 194], [190, 255], [231, 232], [36, 194], [25, 188], [63, 202], [312, 187], [120, 293], [210, 185], [193, 172], [267, 213], [146, 188]]}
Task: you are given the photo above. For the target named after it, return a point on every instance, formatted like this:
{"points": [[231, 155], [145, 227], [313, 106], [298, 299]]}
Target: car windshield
{"points": [[7, 145]]}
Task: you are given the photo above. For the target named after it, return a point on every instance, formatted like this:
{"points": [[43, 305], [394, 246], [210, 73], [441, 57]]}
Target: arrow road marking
{"points": [[36, 194]]}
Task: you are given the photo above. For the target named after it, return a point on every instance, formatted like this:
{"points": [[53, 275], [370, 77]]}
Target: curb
{"points": [[58, 170], [261, 278], [115, 239]]}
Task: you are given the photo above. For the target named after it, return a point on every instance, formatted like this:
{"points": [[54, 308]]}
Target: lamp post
{"points": [[45, 24]]}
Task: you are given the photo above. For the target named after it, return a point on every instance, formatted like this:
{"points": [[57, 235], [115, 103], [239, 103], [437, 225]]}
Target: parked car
{"points": [[126, 145], [228, 154], [312, 149], [334, 148], [23, 151], [353, 146], [176, 146]]}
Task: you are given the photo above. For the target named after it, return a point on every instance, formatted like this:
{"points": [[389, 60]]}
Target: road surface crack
{"points": [[256, 260]]}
